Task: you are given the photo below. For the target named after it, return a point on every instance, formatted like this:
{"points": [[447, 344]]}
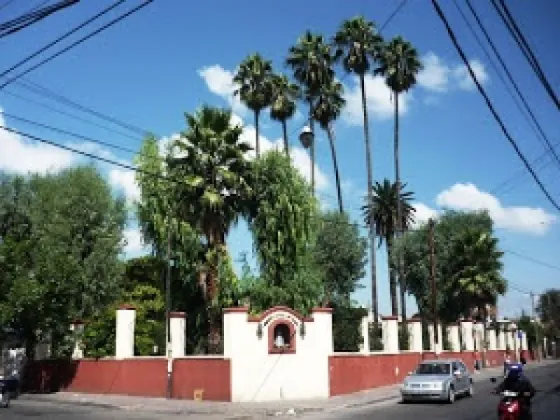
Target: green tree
{"points": [[548, 309], [327, 109], [358, 45], [283, 218], [62, 262], [254, 78], [283, 107], [382, 210], [216, 189], [468, 264], [340, 252], [311, 61], [399, 64]]}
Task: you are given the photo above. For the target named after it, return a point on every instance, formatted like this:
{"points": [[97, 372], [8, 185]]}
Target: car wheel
{"points": [[451, 395], [404, 400], [470, 390], [5, 399]]}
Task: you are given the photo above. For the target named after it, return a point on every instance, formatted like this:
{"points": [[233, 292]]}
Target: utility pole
{"points": [[433, 281], [533, 315], [167, 313]]}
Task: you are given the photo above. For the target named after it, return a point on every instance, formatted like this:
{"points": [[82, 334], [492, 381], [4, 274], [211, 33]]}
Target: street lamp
{"points": [[307, 139]]}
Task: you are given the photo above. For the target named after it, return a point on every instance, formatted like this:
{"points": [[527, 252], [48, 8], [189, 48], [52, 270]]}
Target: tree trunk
{"points": [[312, 147], [400, 262], [484, 335], [330, 134], [285, 135], [257, 140], [369, 168], [214, 337], [392, 277]]}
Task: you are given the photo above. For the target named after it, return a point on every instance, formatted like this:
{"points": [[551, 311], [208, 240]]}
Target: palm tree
{"points": [[382, 210], [358, 44], [327, 109], [399, 64], [311, 61], [284, 97], [254, 78], [215, 189]]}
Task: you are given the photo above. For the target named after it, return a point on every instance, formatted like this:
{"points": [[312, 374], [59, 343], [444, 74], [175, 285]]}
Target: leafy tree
{"points": [[283, 218], [254, 78], [399, 64], [346, 325], [327, 109], [216, 188], [525, 323], [283, 107], [358, 44], [382, 210], [468, 264], [548, 308], [149, 336], [62, 262], [311, 61], [341, 254]]}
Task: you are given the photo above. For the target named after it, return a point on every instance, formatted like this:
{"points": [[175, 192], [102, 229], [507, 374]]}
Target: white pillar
{"points": [[501, 338], [390, 334], [364, 326], [478, 334], [492, 341], [467, 334], [510, 344], [77, 328], [177, 330], [453, 336], [126, 318], [437, 349], [415, 334]]}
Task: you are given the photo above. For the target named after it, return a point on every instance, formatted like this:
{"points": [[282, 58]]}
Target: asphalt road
{"points": [[546, 404]]}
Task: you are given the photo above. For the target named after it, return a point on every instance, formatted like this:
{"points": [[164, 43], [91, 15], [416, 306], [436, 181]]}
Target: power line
{"points": [[522, 43], [30, 18], [533, 260], [491, 106], [78, 42], [76, 117], [60, 38], [392, 15], [547, 143]]}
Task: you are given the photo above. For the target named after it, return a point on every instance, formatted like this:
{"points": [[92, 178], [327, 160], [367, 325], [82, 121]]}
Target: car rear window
{"points": [[433, 369]]}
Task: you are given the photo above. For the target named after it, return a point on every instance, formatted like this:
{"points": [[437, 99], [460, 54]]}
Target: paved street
{"points": [[482, 406]]}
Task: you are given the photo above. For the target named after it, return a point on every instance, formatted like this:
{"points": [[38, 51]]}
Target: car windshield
{"points": [[433, 369]]}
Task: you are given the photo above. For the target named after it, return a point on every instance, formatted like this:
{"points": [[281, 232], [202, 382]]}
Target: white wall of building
{"points": [[257, 375]]}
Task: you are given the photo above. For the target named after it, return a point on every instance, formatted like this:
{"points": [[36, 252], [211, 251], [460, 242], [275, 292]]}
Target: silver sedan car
{"points": [[440, 380]]}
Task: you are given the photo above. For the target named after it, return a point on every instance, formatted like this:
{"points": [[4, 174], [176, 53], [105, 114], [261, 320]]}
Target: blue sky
{"points": [[173, 56]]}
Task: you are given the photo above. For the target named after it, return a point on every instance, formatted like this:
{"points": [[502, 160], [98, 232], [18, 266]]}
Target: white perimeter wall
{"points": [[257, 375]]}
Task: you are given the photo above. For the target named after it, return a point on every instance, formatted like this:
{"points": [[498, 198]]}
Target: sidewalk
{"points": [[242, 411]]}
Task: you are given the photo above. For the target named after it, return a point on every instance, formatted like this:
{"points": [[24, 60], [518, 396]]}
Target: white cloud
{"points": [[220, 82], [133, 242], [21, 156], [437, 76], [468, 197], [464, 79], [423, 214], [125, 181], [379, 100]]}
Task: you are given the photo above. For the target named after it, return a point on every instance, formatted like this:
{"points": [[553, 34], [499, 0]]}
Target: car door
{"points": [[465, 376]]}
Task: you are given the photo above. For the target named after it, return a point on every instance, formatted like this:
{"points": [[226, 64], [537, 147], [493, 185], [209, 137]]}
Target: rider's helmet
{"points": [[514, 371]]}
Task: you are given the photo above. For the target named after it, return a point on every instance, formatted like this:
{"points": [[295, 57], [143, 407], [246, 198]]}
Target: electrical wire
{"points": [[543, 137], [78, 42], [533, 260], [62, 37], [491, 106], [526, 50]]}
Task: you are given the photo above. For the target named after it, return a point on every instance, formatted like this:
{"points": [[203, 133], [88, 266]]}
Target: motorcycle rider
{"points": [[519, 383]]}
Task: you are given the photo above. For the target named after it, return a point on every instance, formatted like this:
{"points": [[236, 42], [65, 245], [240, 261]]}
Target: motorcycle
{"points": [[5, 394], [509, 407]]}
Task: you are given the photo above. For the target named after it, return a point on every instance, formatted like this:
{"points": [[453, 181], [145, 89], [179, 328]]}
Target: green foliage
{"points": [[404, 337], [375, 339], [346, 324], [548, 308], [341, 253], [254, 77], [59, 255], [399, 64], [99, 334], [468, 264]]}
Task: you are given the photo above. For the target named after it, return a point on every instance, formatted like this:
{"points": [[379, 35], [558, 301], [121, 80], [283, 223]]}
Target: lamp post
{"points": [[307, 139]]}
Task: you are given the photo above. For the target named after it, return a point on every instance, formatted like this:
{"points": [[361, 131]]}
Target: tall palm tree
{"points": [[327, 109], [254, 78], [357, 45], [382, 210], [399, 64], [215, 189], [284, 97], [311, 61]]}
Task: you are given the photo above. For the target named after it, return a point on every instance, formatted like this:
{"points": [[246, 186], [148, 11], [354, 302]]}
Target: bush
{"points": [[375, 339], [404, 337], [347, 331]]}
